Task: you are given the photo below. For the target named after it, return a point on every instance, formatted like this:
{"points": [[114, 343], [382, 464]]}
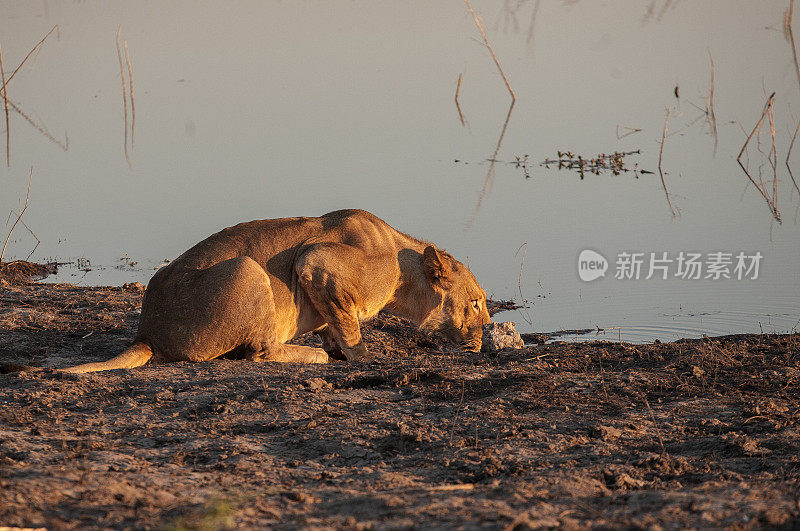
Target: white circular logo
{"points": [[591, 265]]}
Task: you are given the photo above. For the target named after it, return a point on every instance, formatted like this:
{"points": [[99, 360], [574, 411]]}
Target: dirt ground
{"points": [[696, 433]]}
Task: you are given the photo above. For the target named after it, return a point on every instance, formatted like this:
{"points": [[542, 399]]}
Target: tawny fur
{"points": [[252, 287]]}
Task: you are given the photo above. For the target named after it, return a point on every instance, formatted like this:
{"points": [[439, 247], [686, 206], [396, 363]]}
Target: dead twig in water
{"points": [[479, 24], [629, 131], [5, 102], [10, 103], [772, 156], [35, 237], [660, 156], [787, 28], [124, 98], [487, 183], [772, 206], [130, 86], [21, 212], [41, 128], [789, 153], [458, 106], [533, 22], [527, 315], [4, 89], [7, 81], [710, 116]]}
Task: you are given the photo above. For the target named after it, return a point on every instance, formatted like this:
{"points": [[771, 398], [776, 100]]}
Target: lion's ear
{"points": [[436, 269]]}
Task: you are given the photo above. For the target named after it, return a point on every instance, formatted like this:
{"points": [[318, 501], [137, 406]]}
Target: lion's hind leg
{"points": [[249, 306], [231, 308]]}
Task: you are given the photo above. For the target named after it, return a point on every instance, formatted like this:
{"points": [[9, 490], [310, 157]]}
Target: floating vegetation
{"points": [[614, 163], [567, 160], [522, 163]]}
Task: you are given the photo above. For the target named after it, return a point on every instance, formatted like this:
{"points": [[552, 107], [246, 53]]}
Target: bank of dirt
{"points": [[696, 433]]}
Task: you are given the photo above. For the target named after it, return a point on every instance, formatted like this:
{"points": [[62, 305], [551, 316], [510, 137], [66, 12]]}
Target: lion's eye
{"points": [[476, 304]]}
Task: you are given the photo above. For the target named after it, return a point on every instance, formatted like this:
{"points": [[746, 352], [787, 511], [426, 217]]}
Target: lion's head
{"points": [[462, 312]]}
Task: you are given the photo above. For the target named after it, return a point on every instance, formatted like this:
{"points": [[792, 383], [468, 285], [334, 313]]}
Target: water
{"points": [[299, 108]]}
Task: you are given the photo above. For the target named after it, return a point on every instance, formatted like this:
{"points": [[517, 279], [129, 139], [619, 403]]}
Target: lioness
{"points": [[249, 288]]}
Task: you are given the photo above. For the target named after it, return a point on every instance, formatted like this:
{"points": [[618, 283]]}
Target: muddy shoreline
{"points": [[695, 433]]}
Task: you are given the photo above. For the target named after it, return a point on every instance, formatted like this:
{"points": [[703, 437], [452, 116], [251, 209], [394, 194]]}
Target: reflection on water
{"points": [[281, 109]]}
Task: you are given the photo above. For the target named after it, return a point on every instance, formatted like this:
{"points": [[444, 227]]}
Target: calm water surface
{"points": [[271, 109]]}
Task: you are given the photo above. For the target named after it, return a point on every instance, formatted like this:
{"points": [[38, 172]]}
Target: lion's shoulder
{"points": [[352, 214]]}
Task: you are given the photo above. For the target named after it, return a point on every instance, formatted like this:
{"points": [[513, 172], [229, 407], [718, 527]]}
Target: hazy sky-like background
{"points": [[249, 110]]}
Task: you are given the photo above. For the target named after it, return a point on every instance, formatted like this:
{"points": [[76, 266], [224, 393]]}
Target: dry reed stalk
{"points": [[458, 411], [660, 156], [452, 488], [21, 212], [664, 9], [124, 98], [533, 22], [629, 131], [35, 237], [479, 24], [487, 183], [790, 33], [41, 128], [7, 81], [653, 419], [5, 103], [760, 188], [8, 102], [602, 377], [772, 156], [130, 86], [712, 118], [458, 106], [527, 315], [789, 153]]}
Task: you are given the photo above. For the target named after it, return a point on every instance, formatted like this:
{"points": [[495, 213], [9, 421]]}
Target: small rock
{"points": [[624, 480], [775, 516], [524, 522], [133, 286], [316, 383], [501, 336], [300, 496], [606, 433], [621, 480]]}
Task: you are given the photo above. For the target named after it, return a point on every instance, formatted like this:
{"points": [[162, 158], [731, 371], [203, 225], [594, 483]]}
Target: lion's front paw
{"points": [[357, 352]]}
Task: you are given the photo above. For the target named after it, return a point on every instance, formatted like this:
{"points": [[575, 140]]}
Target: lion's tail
{"points": [[134, 356]]}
